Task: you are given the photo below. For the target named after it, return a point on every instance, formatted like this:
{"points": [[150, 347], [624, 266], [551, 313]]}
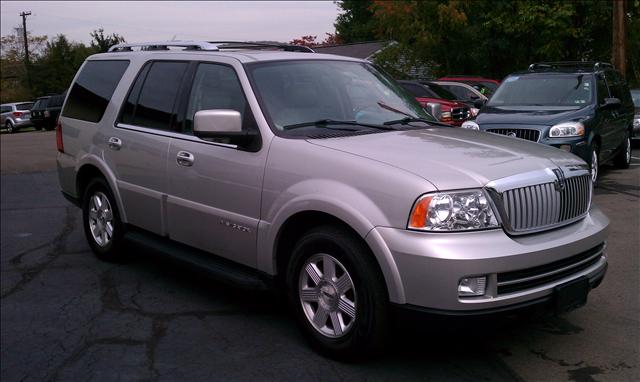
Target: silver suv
{"points": [[269, 165], [14, 116]]}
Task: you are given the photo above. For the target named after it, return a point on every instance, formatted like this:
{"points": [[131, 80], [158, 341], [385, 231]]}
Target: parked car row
{"points": [[41, 114]]}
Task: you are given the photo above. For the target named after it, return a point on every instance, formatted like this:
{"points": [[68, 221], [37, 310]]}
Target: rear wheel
{"points": [[101, 219], [10, 127], [623, 158], [338, 294]]}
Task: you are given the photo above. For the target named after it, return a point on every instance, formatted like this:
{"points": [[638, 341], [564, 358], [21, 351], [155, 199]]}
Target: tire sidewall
{"points": [[110, 252], [10, 127], [595, 149], [371, 301]]}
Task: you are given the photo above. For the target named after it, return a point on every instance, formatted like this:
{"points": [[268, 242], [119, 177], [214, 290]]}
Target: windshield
{"points": [[544, 90], [303, 91]]}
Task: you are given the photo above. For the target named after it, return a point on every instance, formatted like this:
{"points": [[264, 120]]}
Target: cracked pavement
{"points": [[67, 316]]}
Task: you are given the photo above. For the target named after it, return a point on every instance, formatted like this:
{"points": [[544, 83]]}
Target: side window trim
{"points": [[142, 73]]}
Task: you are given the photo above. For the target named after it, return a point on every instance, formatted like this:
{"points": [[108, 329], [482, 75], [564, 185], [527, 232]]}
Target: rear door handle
{"points": [[114, 143], [185, 158]]}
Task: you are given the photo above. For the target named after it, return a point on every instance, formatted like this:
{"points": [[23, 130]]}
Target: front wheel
{"points": [[101, 219], [623, 158], [338, 294]]}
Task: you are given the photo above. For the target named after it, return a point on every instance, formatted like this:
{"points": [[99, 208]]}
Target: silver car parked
{"points": [[14, 116], [273, 165]]}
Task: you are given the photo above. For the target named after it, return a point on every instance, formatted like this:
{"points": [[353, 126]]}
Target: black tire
{"points": [[110, 250], [369, 331], [49, 127], [594, 163], [11, 128], [623, 158]]}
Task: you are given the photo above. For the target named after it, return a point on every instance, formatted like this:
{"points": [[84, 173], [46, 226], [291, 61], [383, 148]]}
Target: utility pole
{"points": [[26, 46], [619, 37]]}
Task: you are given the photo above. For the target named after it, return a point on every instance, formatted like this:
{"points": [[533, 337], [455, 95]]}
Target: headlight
{"points": [[567, 129], [452, 211], [470, 125]]}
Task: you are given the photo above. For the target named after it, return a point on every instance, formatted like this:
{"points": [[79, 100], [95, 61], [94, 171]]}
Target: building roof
{"points": [[362, 50]]}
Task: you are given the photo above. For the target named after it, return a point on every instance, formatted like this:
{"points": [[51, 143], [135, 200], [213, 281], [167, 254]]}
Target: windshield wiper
{"points": [[393, 109], [332, 122], [407, 120]]}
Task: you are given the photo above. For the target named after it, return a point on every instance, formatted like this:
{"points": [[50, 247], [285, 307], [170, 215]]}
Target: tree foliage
{"points": [[54, 62], [491, 38]]}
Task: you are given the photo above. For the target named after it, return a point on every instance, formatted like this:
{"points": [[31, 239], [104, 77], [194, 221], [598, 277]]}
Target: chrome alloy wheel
{"points": [[100, 219], [594, 166], [327, 295], [627, 151]]}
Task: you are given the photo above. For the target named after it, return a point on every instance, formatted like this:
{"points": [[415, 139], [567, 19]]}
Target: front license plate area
{"points": [[571, 295]]}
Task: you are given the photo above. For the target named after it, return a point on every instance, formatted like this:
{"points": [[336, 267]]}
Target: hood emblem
{"points": [[511, 134], [561, 182]]}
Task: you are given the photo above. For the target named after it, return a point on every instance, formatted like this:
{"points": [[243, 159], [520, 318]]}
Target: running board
{"points": [[226, 271]]}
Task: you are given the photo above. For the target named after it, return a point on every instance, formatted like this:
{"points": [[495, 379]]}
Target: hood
{"points": [[452, 158], [529, 115]]}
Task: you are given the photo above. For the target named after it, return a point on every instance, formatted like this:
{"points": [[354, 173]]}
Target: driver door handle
{"points": [[185, 158]]}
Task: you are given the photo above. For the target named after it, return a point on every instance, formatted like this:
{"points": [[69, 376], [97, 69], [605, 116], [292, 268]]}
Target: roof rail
{"points": [[206, 45], [259, 45], [164, 45], [584, 65]]}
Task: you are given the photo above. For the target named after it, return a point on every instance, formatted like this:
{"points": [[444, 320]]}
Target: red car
{"points": [[472, 80], [453, 112]]}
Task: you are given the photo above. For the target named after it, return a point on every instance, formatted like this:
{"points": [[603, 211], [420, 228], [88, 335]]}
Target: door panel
{"points": [[214, 204]]}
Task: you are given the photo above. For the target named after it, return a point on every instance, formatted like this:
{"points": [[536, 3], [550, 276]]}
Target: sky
{"points": [[181, 20]]}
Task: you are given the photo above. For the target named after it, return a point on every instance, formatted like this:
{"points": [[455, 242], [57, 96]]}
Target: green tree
{"points": [[356, 22], [101, 43], [13, 83]]}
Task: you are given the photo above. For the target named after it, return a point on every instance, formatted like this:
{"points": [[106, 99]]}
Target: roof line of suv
{"points": [[213, 46], [582, 66]]}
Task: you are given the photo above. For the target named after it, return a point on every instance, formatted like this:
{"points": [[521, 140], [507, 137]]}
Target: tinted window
{"points": [[155, 104], [217, 87], [5, 109], [418, 90], [55, 101], [24, 106], [40, 104], [92, 91], [441, 92], [544, 90]]}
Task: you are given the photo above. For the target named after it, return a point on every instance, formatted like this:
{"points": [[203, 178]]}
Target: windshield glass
{"points": [[442, 92], [544, 90], [302, 91]]}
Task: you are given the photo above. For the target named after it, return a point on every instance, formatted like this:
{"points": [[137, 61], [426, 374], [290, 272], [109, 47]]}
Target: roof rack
{"points": [[213, 46], [583, 65]]}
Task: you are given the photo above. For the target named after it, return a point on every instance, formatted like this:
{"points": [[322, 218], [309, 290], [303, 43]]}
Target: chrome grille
{"points": [[460, 113], [528, 134], [544, 205]]}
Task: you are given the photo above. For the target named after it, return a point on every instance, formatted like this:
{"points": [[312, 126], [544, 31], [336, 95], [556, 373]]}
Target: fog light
{"points": [[566, 148], [472, 286]]}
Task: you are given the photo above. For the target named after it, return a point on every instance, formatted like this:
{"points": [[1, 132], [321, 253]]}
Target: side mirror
{"points": [[435, 109], [222, 124], [216, 123], [479, 103], [611, 103]]}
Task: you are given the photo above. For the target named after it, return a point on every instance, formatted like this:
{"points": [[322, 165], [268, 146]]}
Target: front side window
{"points": [[151, 101], [603, 91], [217, 87], [303, 91], [92, 91], [544, 90], [40, 104]]}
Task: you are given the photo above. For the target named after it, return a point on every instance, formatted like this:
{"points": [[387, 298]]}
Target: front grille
{"points": [[460, 113], [528, 134], [543, 206], [514, 281]]}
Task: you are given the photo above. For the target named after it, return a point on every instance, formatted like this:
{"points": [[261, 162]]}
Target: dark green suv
{"points": [[581, 107]]}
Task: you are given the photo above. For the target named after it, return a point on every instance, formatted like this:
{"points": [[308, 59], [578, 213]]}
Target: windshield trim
{"points": [[248, 68]]}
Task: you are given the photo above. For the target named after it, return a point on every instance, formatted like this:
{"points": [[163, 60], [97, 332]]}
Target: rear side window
{"points": [[24, 106], [92, 91], [153, 96], [5, 109]]}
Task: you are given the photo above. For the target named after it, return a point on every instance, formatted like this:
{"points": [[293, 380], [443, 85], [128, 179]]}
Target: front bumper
{"points": [[430, 265], [576, 145]]}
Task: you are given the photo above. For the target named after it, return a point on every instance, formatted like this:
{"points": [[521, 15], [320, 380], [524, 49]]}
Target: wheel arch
{"points": [[91, 168]]}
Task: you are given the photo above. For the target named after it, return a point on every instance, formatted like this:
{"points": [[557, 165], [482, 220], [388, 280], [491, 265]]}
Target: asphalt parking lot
{"points": [[67, 316]]}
